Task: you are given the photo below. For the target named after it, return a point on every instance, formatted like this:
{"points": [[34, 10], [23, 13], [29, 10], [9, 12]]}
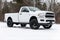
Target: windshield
{"points": [[34, 9]]}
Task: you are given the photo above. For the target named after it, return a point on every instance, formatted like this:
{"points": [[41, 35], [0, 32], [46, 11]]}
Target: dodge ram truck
{"points": [[31, 15]]}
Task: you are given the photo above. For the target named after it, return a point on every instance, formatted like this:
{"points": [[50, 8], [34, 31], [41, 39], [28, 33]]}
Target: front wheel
{"points": [[34, 24], [48, 26]]}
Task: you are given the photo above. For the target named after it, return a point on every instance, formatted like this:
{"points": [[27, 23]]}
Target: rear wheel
{"points": [[34, 24], [23, 25], [9, 22]]}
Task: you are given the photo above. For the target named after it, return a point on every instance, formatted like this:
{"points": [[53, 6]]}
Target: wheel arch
{"points": [[33, 17], [9, 18]]}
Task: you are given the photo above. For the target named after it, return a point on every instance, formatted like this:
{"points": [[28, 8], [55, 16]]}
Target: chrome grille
{"points": [[49, 15]]}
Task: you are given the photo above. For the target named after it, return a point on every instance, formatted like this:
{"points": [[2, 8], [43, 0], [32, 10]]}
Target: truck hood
{"points": [[44, 12], [41, 12]]}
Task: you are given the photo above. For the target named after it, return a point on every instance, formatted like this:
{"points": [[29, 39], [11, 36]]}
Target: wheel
{"points": [[34, 24], [23, 25], [9, 23], [48, 26]]}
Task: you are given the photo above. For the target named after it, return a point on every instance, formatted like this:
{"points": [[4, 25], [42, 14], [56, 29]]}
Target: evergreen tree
{"points": [[44, 6], [18, 1], [5, 8]]}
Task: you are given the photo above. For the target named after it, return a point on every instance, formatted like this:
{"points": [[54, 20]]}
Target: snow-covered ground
{"points": [[18, 33]]}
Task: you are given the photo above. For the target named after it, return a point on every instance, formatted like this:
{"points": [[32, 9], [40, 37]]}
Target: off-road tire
{"points": [[34, 24], [9, 22], [48, 26]]}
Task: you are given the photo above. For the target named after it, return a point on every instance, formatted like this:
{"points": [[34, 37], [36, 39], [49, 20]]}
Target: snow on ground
{"points": [[18, 33]]}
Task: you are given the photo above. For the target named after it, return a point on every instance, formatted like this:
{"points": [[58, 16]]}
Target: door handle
{"points": [[20, 13]]}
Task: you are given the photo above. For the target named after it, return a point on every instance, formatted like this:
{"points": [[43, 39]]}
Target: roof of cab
{"points": [[27, 6]]}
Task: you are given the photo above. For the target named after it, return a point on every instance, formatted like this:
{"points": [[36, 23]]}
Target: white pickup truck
{"points": [[31, 15]]}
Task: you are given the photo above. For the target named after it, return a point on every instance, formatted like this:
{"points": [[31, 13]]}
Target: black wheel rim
{"points": [[34, 24], [48, 25], [9, 22]]}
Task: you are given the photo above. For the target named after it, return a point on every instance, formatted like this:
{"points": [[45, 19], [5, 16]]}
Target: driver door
{"points": [[24, 15]]}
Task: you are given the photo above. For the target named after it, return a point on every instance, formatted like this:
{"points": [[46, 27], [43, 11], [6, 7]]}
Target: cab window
{"points": [[24, 10]]}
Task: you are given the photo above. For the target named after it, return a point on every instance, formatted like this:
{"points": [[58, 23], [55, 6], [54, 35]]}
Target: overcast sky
{"points": [[58, 1], [9, 0]]}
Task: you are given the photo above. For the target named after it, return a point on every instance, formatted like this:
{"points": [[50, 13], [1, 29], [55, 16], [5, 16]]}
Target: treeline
{"points": [[10, 7]]}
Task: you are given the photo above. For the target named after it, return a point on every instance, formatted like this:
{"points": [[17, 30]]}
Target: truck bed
{"points": [[14, 16]]}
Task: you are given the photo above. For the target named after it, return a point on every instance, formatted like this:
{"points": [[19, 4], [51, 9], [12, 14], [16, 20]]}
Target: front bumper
{"points": [[46, 20]]}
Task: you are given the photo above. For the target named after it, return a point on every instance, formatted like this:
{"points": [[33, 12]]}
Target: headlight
{"points": [[41, 15]]}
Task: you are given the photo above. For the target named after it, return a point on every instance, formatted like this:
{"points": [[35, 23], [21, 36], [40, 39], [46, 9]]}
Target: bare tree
{"points": [[0, 4], [52, 4]]}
